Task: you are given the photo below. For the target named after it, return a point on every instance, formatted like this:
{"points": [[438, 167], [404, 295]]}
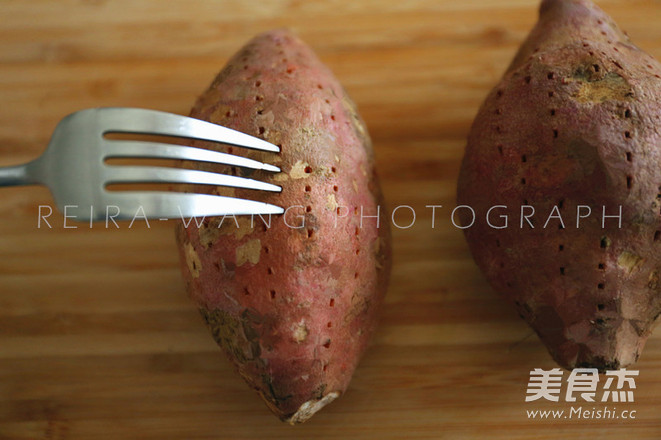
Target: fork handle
{"points": [[15, 176]]}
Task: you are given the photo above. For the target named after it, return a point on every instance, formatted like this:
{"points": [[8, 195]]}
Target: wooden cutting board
{"points": [[97, 337]]}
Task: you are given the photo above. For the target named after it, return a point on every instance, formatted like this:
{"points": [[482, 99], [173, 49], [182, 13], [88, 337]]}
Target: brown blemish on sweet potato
{"points": [[208, 234], [611, 87], [298, 171], [356, 120], [222, 112], [249, 252], [239, 226], [653, 280], [225, 191], [225, 331], [236, 336], [281, 177], [192, 261], [300, 332], [629, 261], [379, 262], [331, 203]]}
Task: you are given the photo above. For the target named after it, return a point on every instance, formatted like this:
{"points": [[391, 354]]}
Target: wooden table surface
{"points": [[97, 337]]}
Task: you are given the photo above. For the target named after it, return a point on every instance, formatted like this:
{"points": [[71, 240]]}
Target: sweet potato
{"points": [[294, 302], [573, 123]]}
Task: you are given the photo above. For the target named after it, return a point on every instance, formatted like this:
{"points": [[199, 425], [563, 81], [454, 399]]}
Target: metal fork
{"points": [[73, 167]]}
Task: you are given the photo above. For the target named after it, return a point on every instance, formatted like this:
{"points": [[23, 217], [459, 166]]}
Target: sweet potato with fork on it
{"points": [[292, 304]]}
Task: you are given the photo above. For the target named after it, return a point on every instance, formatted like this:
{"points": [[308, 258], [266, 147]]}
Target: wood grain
{"points": [[97, 337]]}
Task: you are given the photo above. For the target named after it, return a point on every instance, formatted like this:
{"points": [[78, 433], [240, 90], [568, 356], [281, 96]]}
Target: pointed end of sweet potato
{"points": [[616, 347], [310, 408], [306, 410], [565, 23]]}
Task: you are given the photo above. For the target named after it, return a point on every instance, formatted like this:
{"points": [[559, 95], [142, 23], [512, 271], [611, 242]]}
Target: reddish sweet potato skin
{"points": [[574, 121], [292, 307]]}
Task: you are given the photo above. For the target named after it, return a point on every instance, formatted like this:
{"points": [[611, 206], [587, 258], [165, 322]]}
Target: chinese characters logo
{"points": [[582, 383]]}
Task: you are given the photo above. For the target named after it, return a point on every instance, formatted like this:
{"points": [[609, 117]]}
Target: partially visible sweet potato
{"points": [[574, 121], [292, 304]]}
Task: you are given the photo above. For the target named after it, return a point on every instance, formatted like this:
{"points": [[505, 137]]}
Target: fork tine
{"points": [[138, 174], [162, 205], [156, 150], [135, 120]]}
